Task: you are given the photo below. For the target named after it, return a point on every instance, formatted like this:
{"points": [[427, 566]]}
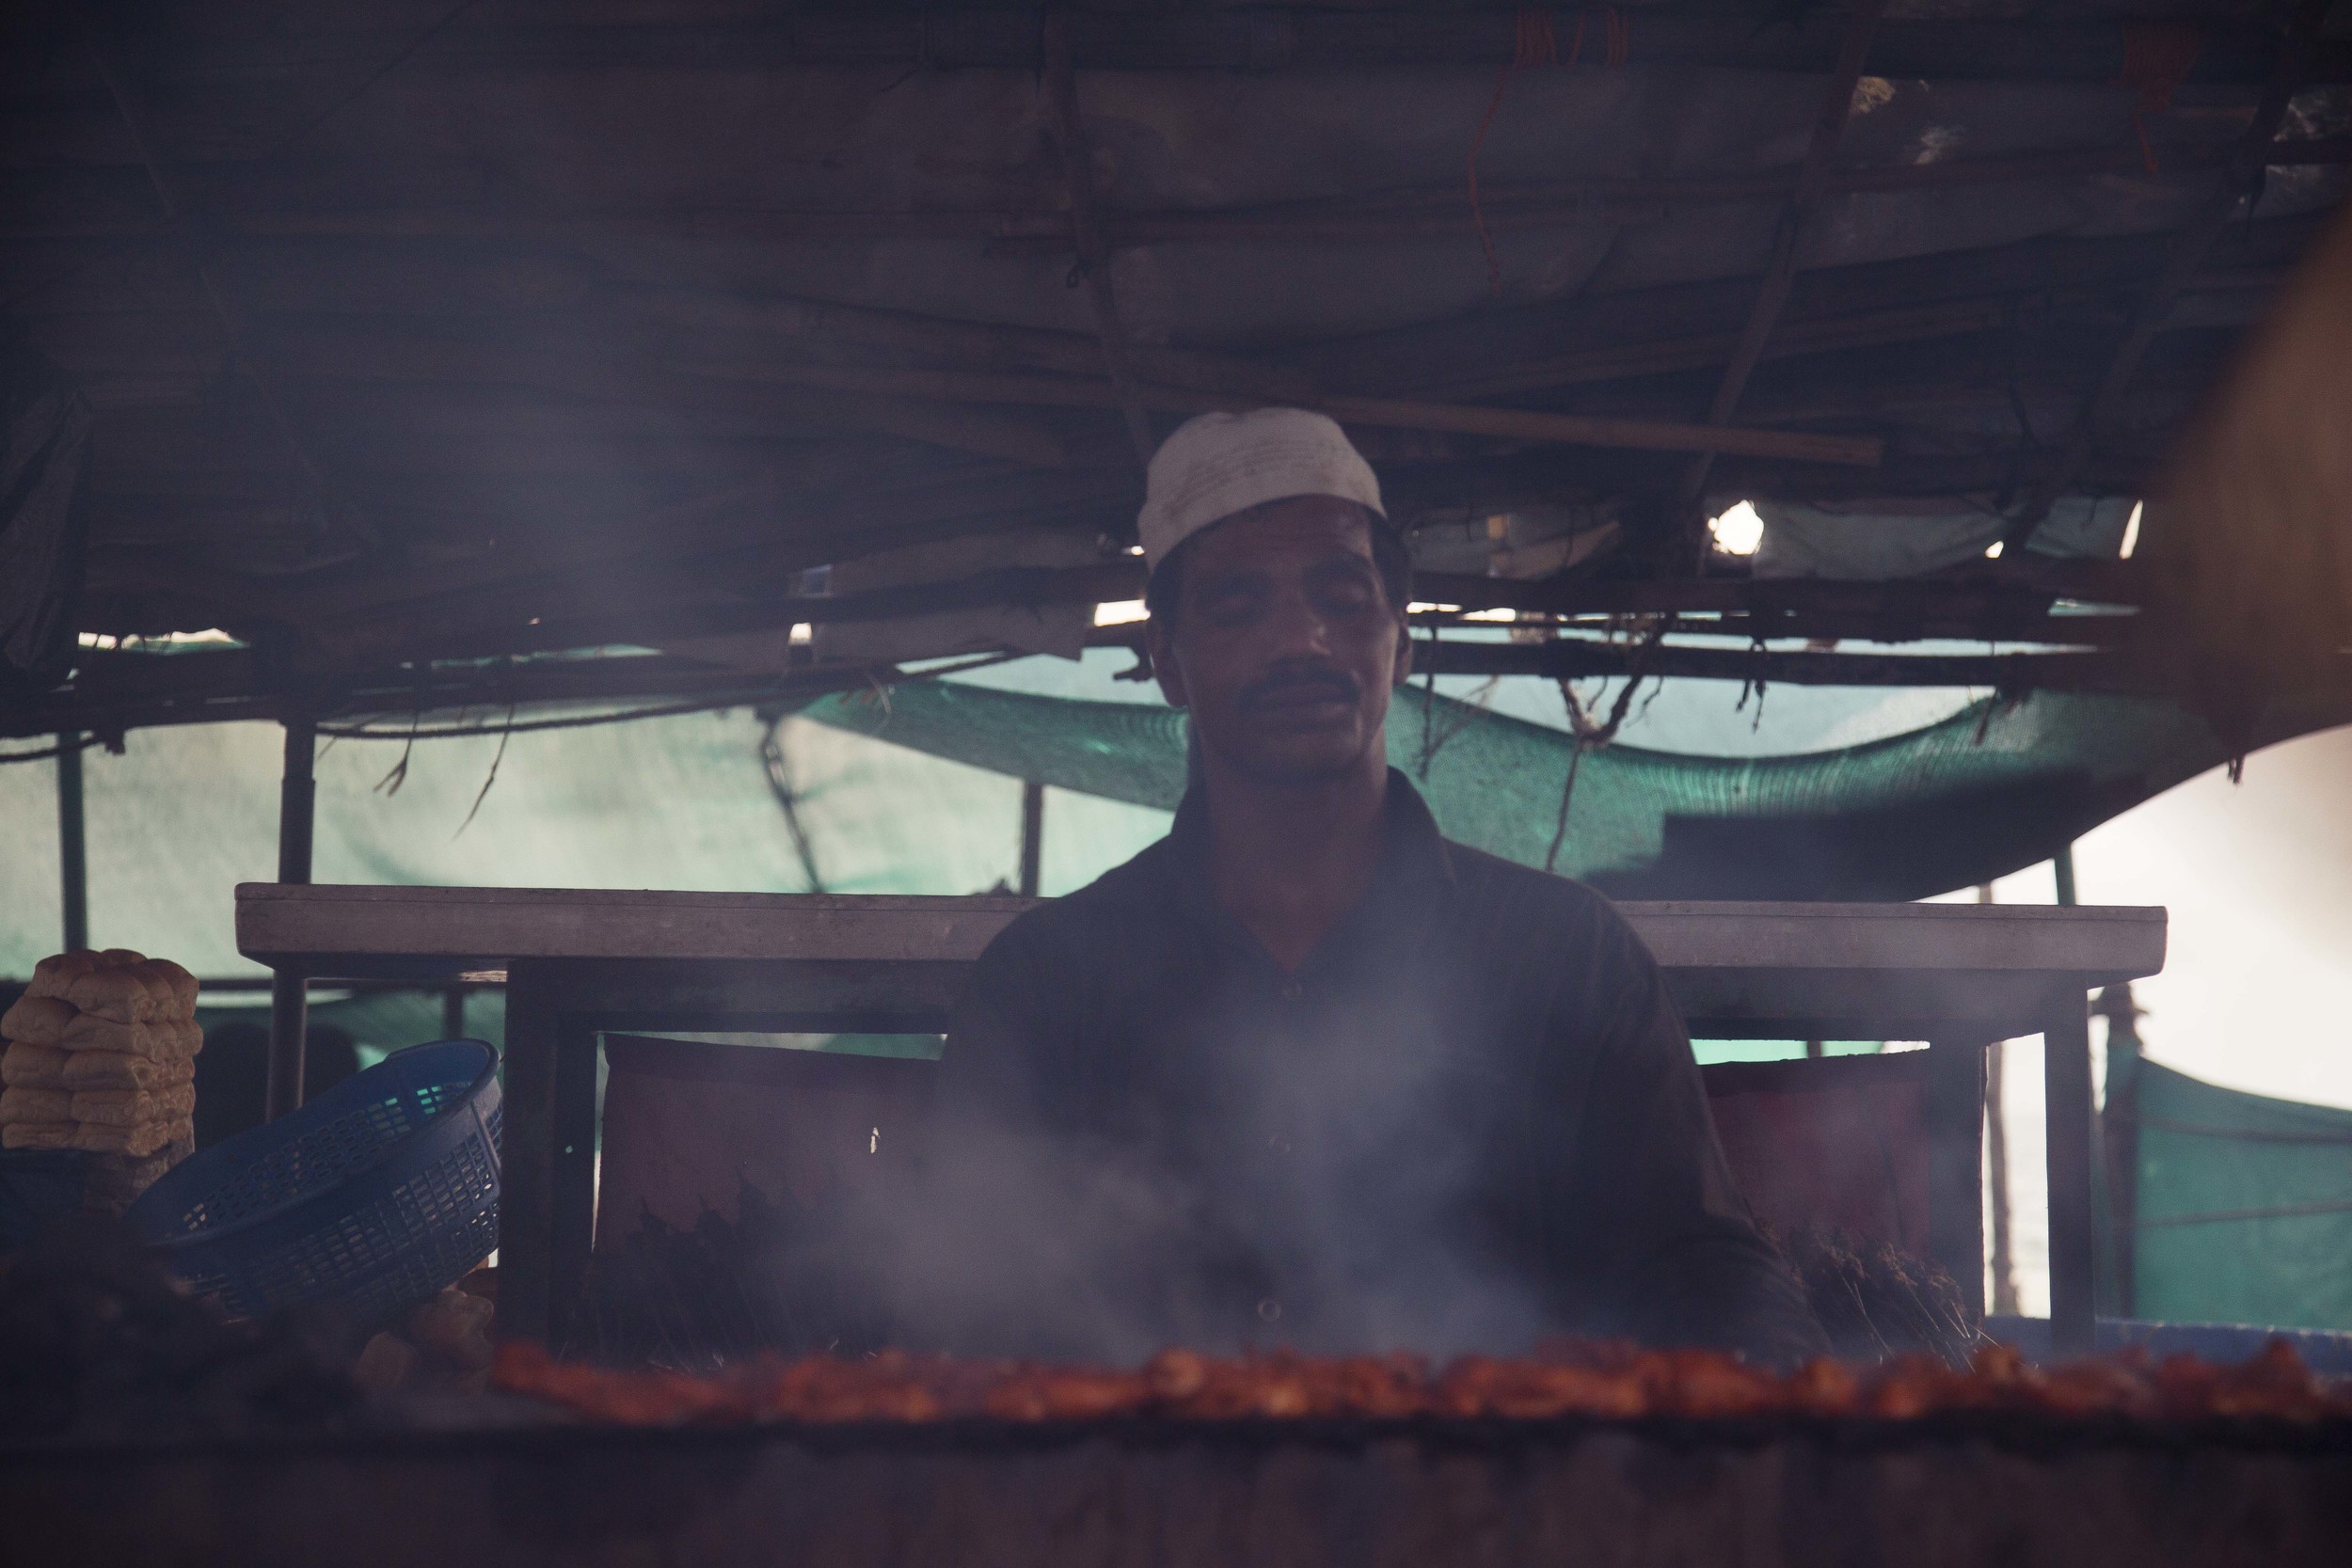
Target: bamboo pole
{"points": [[1780, 273]]}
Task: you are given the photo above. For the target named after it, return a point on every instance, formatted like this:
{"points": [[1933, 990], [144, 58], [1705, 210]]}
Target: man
{"points": [[1305, 1072]]}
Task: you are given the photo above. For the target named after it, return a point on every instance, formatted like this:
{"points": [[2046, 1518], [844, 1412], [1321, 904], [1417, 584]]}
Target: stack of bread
{"points": [[102, 1057]]}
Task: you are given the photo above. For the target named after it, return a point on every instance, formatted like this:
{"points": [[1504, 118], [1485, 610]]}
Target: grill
{"points": [[1293, 1494]]}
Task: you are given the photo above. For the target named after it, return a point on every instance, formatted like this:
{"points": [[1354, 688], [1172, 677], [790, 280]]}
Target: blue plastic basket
{"points": [[371, 1196]]}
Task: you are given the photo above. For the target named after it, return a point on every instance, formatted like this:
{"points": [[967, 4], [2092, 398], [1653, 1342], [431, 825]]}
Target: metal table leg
{"points": [[547, 1206], [572, 1215], [2066, 1088], [526, 1159]]}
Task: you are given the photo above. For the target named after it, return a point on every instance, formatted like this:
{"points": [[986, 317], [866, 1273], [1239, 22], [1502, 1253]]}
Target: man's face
{"points": [[1284, 644]]}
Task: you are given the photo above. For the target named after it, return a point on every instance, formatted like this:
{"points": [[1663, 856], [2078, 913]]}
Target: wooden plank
{"points": [[277, 924], [511, 923], [789, 996], [1951, 937], [1844, 1004]]}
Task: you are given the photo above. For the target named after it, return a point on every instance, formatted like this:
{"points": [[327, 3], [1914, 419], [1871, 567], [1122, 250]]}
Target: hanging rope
{"points": [[780, 784], [1533, 46], [506, 735], [1590, 735], [1617, 36]]}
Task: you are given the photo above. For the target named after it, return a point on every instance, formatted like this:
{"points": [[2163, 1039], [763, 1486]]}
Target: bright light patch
{"points": [[1993, 551], [1506, 617], [801, 632], [106, 642], [1120, 612], [1739, 531], [2131, 529], [1419, 607]]}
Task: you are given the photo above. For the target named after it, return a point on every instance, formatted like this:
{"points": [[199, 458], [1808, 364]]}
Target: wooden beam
{"points": [[1254, 41], [260, 202], [1575, 659], [2190, 245], [352, 930], [1512, 423], [721, 530], [1589, 658], [130, 691]]}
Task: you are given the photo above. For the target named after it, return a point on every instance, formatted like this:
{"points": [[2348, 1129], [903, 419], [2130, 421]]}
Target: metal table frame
{"points": [[579, 963]]}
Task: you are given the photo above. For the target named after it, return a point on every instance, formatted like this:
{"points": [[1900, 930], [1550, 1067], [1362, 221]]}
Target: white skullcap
{"points": [[1217, 465]]}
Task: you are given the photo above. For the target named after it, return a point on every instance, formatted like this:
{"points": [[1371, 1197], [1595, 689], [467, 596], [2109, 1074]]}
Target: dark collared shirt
{"points": [[1469, 1119]]}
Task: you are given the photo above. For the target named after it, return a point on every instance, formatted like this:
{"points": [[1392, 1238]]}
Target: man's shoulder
{"points": [[1103, 912]]}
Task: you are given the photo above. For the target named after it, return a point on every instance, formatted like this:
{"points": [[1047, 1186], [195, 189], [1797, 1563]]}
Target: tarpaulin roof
{"points": [[411, 332]]}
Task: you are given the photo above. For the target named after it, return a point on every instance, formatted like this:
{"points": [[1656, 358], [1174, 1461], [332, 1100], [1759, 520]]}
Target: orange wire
{"points": [[1533, 45], [2157, 58]]}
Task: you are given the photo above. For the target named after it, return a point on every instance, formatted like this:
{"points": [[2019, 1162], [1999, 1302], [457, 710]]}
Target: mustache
{"points": [[1310, 681]]}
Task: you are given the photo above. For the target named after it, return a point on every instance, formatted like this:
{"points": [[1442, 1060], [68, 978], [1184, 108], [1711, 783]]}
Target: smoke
{"points": [[1304, 1187]]}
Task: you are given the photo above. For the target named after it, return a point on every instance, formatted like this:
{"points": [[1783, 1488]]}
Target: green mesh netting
{"points": [[2242, 1204], [1998, 786]]}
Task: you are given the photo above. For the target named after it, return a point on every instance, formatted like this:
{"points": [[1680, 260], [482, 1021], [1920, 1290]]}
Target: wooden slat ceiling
{"points": [[417, 329]]}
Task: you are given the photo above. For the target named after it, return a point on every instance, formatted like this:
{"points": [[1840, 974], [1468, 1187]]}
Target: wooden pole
{"points": [[2118, 1127], [2066, 1090], [289, 997], [2003, 1261], [73, 848], [1032, 834]]}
